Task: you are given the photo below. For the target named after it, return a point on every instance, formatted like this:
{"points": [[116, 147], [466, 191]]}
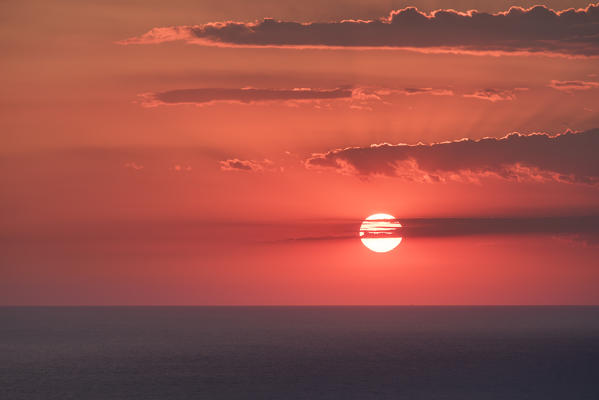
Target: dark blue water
{"points": [[299, 353]]}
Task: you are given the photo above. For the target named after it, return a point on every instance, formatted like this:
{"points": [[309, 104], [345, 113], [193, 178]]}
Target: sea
{"points": [[354, 352]]}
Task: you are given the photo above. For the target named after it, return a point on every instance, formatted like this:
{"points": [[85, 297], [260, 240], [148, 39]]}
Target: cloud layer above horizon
{"points": [[568, 158], [539, 29]]}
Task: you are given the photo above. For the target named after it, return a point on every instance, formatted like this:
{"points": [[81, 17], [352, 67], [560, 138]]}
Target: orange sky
{"points": [[116, 192]]}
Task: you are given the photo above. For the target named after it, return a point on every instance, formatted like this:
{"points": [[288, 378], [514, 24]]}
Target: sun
{"points": [[379, 233]]}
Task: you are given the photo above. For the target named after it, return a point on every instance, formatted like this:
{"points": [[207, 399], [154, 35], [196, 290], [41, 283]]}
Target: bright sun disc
{"points": [[379, 233]]}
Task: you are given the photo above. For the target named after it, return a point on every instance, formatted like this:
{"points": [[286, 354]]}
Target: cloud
{"points": [[412, 91], [569, 158], [538, 29], [431, 91], [492, 95], [358, 97], [236, 164], [570, 86], [204, 96], [160, 35]]}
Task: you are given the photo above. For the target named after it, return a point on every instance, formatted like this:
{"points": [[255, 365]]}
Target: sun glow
{"points": [[379, 233]]}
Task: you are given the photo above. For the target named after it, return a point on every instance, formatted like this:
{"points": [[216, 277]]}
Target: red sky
{"points": [[219, 167]]}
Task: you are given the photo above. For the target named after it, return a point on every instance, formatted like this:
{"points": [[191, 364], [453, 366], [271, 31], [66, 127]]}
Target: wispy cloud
{"points": [[133, 165], [494, 95], [570, 86]]}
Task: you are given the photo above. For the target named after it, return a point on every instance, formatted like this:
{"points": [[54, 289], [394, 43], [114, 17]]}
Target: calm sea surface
{"points": [[299, 353]]}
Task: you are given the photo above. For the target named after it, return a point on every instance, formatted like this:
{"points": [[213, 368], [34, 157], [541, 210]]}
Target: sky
{"points": [[226, 152]]}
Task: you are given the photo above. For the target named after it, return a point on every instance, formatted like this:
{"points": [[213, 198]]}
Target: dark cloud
{"points": [[412, 91], [242, 95], [570, 157], [356, 96], [431, 91], [534, 30]]}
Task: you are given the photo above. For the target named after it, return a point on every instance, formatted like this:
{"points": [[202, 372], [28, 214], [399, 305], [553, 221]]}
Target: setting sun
{"points": [[379, 233]]}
